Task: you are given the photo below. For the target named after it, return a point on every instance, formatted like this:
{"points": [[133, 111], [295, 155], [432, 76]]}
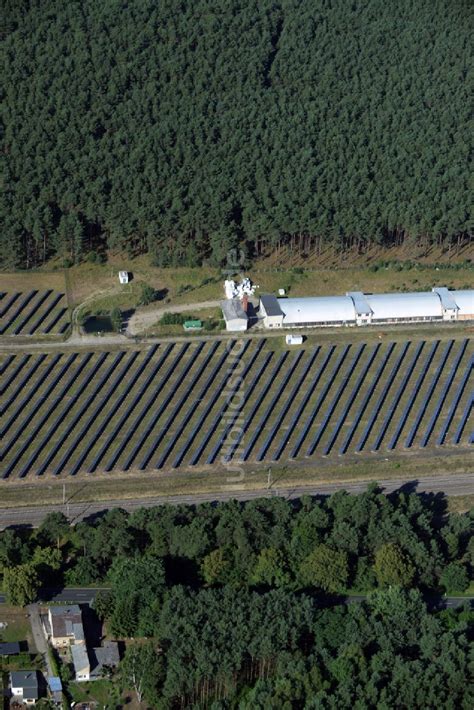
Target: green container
{"points": [[192, 325]]}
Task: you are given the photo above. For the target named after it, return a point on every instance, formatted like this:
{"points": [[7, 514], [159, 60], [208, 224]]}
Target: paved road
{"points": [[70, 595], [452, 484], [77, 595]]}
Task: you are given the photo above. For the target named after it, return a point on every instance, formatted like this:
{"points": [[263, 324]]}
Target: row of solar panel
{"points": [[207, 391], [39, 311]]}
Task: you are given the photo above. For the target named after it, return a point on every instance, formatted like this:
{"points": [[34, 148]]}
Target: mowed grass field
{"points": [[220, 404]]}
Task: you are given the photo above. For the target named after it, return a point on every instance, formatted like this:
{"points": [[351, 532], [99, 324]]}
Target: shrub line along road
{"points": [[455, 484]]}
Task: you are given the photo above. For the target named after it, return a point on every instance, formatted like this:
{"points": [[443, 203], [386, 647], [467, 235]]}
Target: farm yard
{"points": [[166, 407], [34, 312]]}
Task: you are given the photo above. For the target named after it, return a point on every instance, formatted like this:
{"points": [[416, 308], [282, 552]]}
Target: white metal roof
{"points": [[464, 301], [317, 310], [405, 305]]}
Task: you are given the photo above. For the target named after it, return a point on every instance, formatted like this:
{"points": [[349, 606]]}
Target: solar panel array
{"points": [[224, 401], [34, 313]]}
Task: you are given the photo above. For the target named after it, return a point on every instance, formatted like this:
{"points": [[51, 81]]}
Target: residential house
{"points": [[25, 686]]}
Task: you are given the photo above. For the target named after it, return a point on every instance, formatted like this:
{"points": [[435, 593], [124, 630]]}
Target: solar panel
{"points": [[190, 411], [443, 394], [60, 314], [34, 310], [99, 428], [232, 446], [62, 416], [258, 428], [14, 374], [350, 401], [8, 304], [246, 394], [366, 399], [131, 428], [45, 314], [82, 410], [26, 378], [210, 404], [162, 408], [34, 414], [301, 407], [269, 438], [462, 424], [335, 400], [428, 395], [411, 401], [289, 400], [12, 317], [178, 406], [382, 397], [32, 408], [398, 395], [52, 407], [455, 403], [322, 396], [6, 364], [230, 393]]}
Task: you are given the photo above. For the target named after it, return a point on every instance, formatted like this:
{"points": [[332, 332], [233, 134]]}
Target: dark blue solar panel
{"points": [[455, 403], [232, 390], [98, 385], [49, 326], [62, 416], [350, 401], [6, 364], [34, 310], [231, 422], [424, 404], [9, 303], [382, 397], [52, 407], [398, 395], [411, 401], [178, 406], [210, 404], [367, 397], [322, 396], [14, 374], [112, 437], [92, 423], [27, 403], [26, 378], [288, 402], [34, 414], [443, 394], [295, 419], [13, 316], [283, 384], [45, 314], [462, 424], [162, 408], [192, 408], [335, 400]]}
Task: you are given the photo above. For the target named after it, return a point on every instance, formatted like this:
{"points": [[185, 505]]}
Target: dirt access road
{"points": [[141, 320]]}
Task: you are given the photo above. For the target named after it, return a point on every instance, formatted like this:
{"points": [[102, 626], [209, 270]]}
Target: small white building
{"points": [[80, 659], [123, 277], [25, 686], [294, 339], [236, 319]]}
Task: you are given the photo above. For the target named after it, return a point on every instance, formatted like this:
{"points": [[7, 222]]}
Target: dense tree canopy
{"points": [[188, 129]]}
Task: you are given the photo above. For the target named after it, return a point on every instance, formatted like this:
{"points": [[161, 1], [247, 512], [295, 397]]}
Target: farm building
{"points": [[235, 317], [357, 308]]}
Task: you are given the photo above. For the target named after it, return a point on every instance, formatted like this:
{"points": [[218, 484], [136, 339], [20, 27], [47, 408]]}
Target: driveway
{"points": [[39, 637]]}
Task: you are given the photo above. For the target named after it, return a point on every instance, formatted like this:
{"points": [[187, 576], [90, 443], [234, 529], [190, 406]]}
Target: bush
{"points": [[148, 295], [116, 319], [175, 318]]}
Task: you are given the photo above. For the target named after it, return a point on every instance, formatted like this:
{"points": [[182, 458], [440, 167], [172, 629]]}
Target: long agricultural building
{"points": [[357, 308]]}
